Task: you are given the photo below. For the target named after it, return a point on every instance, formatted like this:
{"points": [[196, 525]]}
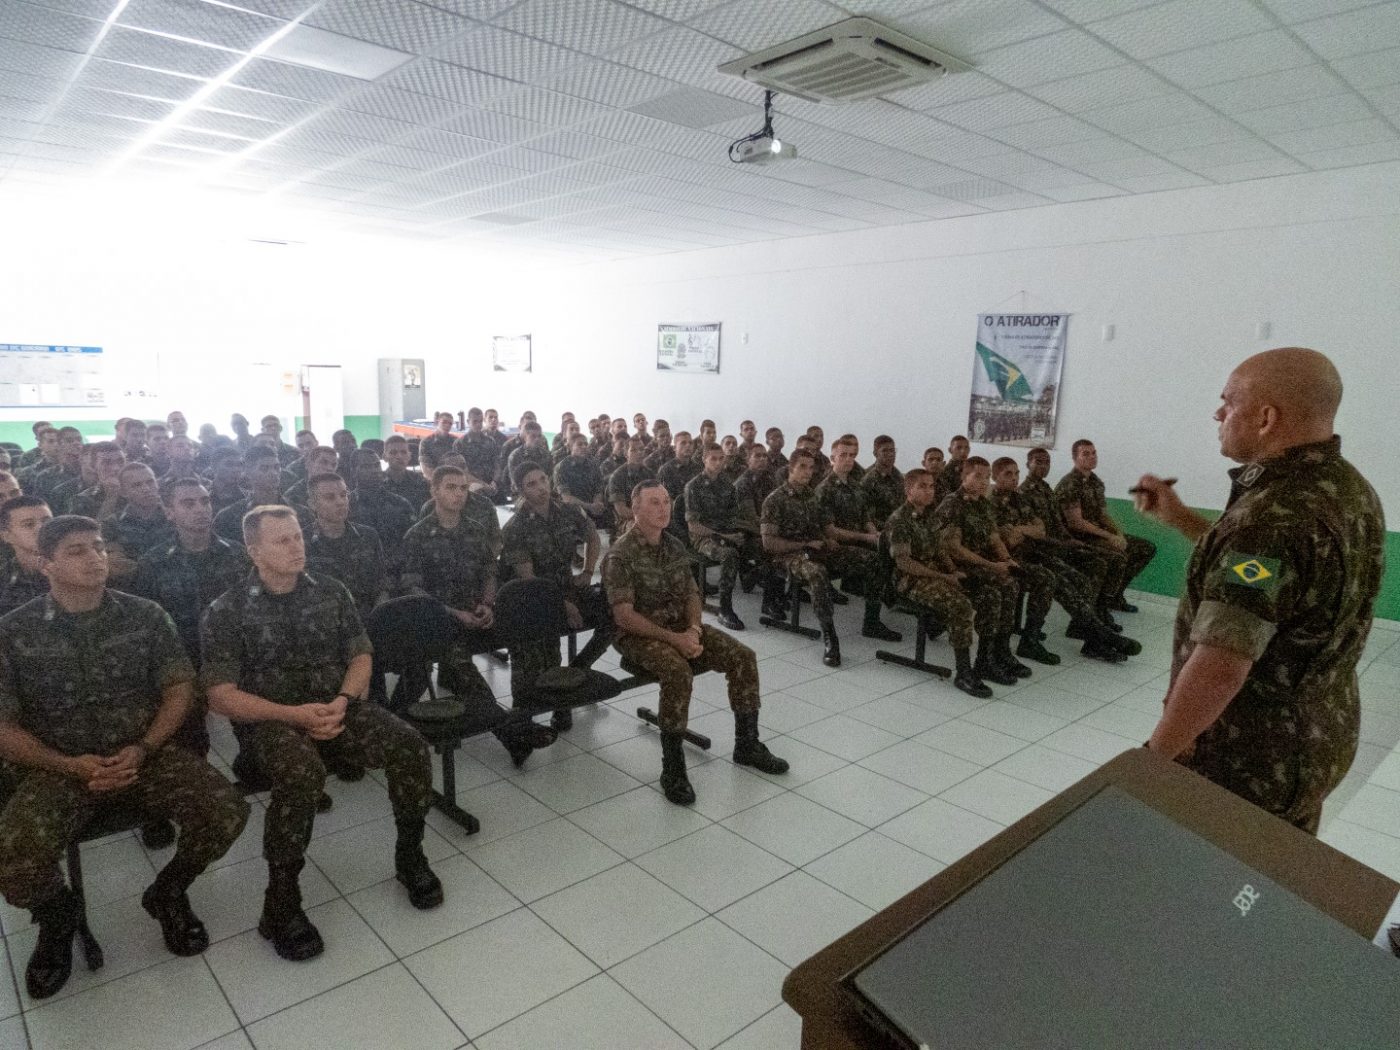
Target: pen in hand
{"points": [[1137, 490]]}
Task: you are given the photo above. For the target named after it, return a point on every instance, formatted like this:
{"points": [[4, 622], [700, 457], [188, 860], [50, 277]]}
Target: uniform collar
{"points": [[52, 610], [255, 584], [1291, 460]]}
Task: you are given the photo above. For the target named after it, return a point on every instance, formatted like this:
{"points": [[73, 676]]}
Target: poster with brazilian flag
{"points": [[1016, 378]]}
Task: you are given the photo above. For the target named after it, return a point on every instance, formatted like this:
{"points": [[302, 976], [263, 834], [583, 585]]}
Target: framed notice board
{"points": [[37, 376]]}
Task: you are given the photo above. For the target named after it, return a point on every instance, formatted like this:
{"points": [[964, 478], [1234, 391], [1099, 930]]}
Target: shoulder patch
{"points": [[1256, 573]]}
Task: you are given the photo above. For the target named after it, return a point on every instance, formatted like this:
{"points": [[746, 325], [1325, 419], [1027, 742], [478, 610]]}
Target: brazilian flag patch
{"points": [[1246, 570]]}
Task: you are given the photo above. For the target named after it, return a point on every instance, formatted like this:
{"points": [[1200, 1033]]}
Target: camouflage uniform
{"points": [[437, 442], [657, 582], [884, 494], [624, 479], [90, 684], [390, 517], [356, 559], [714, 504], [1286, 577], [752, 489], [1087, 492], [18, 586], [136, 535], [294, 649], [579, 477], [1046, 574], [228, 523], [88, 502], [535, 454], [659, 456], [799, 515], [949, 481], [410, 487], [915, 534], [481, 454], [61, 498], [993, 597], [1101, 565]]}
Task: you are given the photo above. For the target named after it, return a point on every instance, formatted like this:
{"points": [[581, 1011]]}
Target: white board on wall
{"points": [[46, 376]]}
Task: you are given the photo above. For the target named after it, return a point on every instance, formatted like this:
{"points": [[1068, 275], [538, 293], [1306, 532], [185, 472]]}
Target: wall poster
{"points": [[687, 348], [1016, 379], [511, 353]]}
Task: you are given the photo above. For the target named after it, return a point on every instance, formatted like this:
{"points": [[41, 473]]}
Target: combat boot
{"points": [[831, 646], [873, 628], [1009, 662], [166, 901], [966, 679], [988, 668], [1030, 647], [749, 751], [283, 922], [675, 785], [774, 606], [727, 618], [411, 867], [52, 960]]}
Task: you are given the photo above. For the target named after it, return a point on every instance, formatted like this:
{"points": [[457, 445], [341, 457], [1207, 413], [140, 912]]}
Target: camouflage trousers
{"points": [[1124, 565], [849, 564], [371, 737], [946, 600], [1048, 578], [732, 558], [722, 653], [529, 660], [47, 810], [994, 602]]}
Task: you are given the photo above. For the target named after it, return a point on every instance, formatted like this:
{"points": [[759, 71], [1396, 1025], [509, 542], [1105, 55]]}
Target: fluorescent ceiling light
{"points": [[320, 49]]}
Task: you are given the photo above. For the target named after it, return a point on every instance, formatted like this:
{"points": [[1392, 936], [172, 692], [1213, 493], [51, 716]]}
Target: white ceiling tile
{"points": [[1175, 180], [1272, 89], [1158, 111], [572, 144], [1376, 69], [1258, 169], [1054, 57], [697, 109], [753, 26], [137, 48], [446, 142], [1201, 158], [208, 23], [1088, 10], [1046, 133], [995, 111], [40, 25], [398, 24], [1072, 154], [609, 83], [113, 76], [955, 87], [468, 87], [969, 27], [259, 104], [1233, 59], [1354, 33], [677, 10], [1083, 191], [1180, 24], [1370, 153], [1124, 83], [404, 106], [280, 78], [1336, 136], [1183, 136], [1012, 201], [506, 54], [31, 88], [1116, 171], [1307, 113], [546, 107], [1306, 10], [38, 61], [496, 127], [595, 27]]}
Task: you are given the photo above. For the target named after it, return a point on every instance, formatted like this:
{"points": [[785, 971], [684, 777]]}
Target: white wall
{"points": [[873, 331]]}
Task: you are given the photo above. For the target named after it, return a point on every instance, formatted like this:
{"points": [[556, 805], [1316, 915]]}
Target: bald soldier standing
{"points": [[1279, 594]]}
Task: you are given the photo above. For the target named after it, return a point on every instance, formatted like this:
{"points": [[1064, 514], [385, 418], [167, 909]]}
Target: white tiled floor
{"points": [[588, 912]]}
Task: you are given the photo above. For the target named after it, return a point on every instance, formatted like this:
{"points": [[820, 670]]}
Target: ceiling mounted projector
{"points": [[763, 150]]}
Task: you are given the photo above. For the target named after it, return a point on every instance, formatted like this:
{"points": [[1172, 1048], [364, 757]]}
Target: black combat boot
{"points": [[675, 785], [157, 834], [831, 646], [837, 598], [166, 901], [52, 960], [873, 628], [966, 679], [562, 720], [411, 867], [596, 647], [773, 605], [988, 667], [748, 751], [727, 618], [283, 922], [1121, 604], [1030, 647], [1006, 660]]}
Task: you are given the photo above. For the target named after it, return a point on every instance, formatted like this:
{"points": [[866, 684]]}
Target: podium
{"points": [[1333, 883]]}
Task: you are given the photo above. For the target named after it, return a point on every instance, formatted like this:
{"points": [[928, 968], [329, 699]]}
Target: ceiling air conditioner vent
{"points": [[855, 59]]}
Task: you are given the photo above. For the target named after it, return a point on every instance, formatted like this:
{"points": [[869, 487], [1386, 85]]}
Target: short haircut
{"points": [[168, 490], [151, 428], [682, 434], [578, 439], [264, 422], [365, 454], [66, 431], [474, 413], [709, 447], [958, 437], [1074, 449], [642, 486], [635, 440], [707, 423], [56, 530], [1001, 463], [531, 427], [911, 476], [845, 441], [758, 450], [260, 454], [44, 432], [805, 442], [1039, 450], [447, 472], [933, 451], [801, 455], [129, 467], [395, 439], [374, 445], [523, 471], [771, 431], [322, 450], [38, 425], [882, 440], [660, 423], [324, 478], [224, 453], [252, 521], [428, 455], [305, 433], [17, 503], [976, 461]]}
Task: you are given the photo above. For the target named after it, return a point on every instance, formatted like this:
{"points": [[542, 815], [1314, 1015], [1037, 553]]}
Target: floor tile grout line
{"points": [[204, 958]]}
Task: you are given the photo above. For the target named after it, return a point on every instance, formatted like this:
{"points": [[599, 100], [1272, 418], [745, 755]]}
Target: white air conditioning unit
{"points": [[855, 59]]}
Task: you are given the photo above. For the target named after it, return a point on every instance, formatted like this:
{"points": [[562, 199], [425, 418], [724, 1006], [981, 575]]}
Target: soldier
{"points": [[735, 462], [883, 484], [705, 436], [507, 449], [93, 683], [857, 471], [623, 480], [639, 428], [753, 488], [29, 457], [22, 571], [271, 428], [819, 458], [264, 479], [46, 453], [1049, 574], [578, 482], [925, 576], [182, 460], [858, 539], [950, 480], [411, 487], [297, 470], [177, 424], [773, 438], [932, 461], [477, 508], [9, 487], [560, 445], [344, 443], [748, 437], [374, 506], [158, 440], [102, 498], [1081, 498], [480, 452], [226, 484], [320, 460], [656, 607], [338, 548], [616, 458], [531, 450], [967, 525], [242, 439], [1279, 595], [47, 480], [599, 439], [285, 653], [662, 451], [712, 515], [139, 526], [492, 420], [675, 475]]}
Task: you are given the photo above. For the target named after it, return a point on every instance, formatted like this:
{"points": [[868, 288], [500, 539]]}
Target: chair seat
{"points": [[596, 688], [481, 716]]}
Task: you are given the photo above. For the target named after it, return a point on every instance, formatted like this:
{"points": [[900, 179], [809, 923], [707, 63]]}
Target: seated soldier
{"points": [[93, 684], [263, 475], [656, 607], [713, 517], [478, 508], [822, 463], [320, 460], [158, 440], [773, 438], [1081, 497], [925, 576], [748, 437], [623, 480], [598, 438], [676, 475], [559, 448], [344, 443], [508, 449], [338, 548], [9, 487], [579, 483], [857, 538], [408, 485], [532, 450], [492, 419], [661, 451], [23, 580], [102, 498], [226, 481], [182, 460], [271, 430], [705, 435], [753, 488], [933, 462], [140, 525], [60, 494], [373, 505], [440, 441], [883, 484], [296, 471], [616, 457], [735, 462], [967, 523], [48, 479], [857, 471], [639, 428], [285, 653], [541, 540], [47, 454], [480, 453], [1048, 575], [950, 480]]}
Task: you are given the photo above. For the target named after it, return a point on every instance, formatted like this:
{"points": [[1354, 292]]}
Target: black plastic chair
{"points": [[926, 626], [792, 622]]}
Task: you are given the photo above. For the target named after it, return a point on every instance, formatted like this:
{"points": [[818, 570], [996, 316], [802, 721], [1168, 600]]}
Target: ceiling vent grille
{"points": [[855, 59]]}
